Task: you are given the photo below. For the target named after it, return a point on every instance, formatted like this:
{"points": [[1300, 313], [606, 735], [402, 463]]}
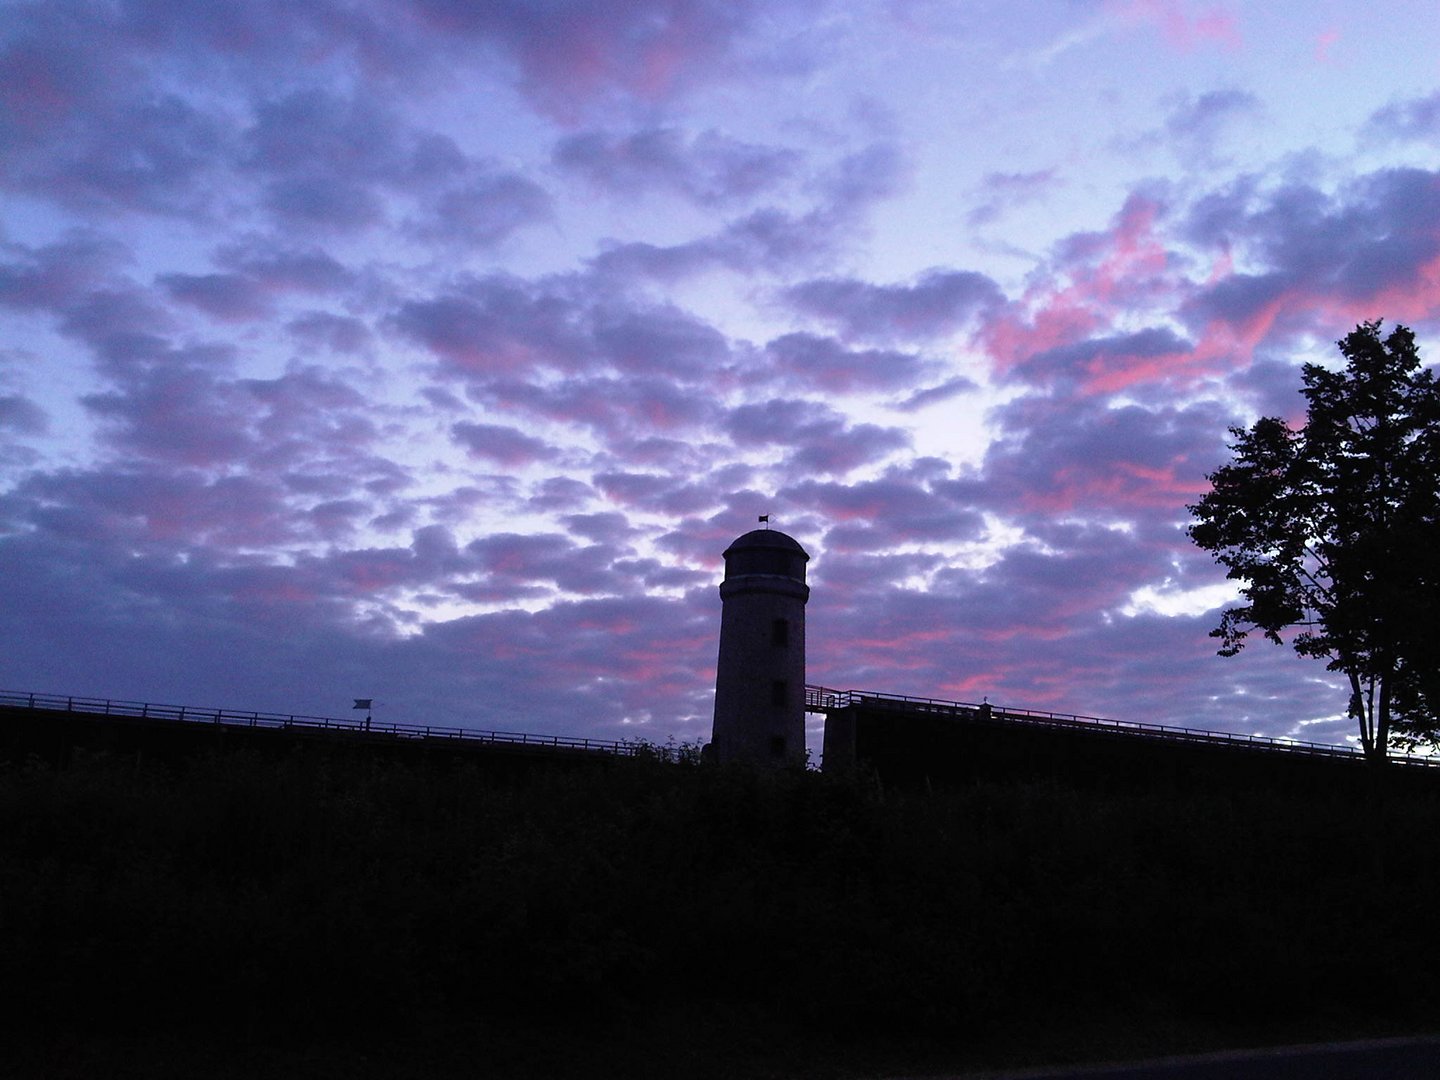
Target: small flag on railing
{"points": [[362, 703]]}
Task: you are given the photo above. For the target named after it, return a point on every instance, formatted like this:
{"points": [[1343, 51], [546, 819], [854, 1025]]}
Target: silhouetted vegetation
{"points": [[1333, 532], [333, 897]]}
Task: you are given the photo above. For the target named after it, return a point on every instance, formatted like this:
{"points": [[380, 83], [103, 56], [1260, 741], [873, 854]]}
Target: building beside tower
{"points": [[760, 674]]}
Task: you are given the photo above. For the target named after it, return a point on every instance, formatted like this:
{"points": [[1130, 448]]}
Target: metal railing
{"points": [[824, 699], [299, 722]]}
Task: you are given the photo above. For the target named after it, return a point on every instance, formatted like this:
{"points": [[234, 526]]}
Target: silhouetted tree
{"points": [[1334, 531]]}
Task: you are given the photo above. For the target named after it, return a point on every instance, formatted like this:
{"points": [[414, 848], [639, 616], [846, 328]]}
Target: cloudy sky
{"points": [[433, 350]]}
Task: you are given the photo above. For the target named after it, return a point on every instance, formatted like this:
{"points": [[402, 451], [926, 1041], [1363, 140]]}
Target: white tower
{"points": [[760, 676]]}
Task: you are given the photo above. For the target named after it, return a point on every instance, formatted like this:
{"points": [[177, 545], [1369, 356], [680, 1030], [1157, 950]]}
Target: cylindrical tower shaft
{"points": [[760, 675]]}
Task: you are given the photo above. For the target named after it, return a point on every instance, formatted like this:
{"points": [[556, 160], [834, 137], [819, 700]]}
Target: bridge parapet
{"points": [[123, 710], [826, 700]]}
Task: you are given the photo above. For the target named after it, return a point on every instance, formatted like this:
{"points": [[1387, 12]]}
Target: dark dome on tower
{"points": [[766, 538], [765, 551]]}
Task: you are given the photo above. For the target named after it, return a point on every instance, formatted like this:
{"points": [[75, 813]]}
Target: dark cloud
{"points": [[159, 511], [932, 395], [769, 240], [1239, 299], [667, 494], [878, 515], [546, 559], [181, 415], [1202, 116], [808, 362], [710, 168], [123, 326], [54, 277], [226, 297], [817, 440], [1195, 127], [333, 161], [496, 325], [1148, 356], [146, 151], [503, 445], [772, 239], [1368, 244], [657, 340], [323, 202], [862, 178], [561, 493], [1000, 192], [618, 409], [21, 415], [1092, 459], [1415, 119], [608, 527], [939, 302], [279, 267], [316, 133], [484, 210], [501, 331], [338, 333], [572, 53]]}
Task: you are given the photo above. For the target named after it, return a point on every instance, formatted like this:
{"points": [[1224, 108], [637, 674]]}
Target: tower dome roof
{"points": [[772, 539]]}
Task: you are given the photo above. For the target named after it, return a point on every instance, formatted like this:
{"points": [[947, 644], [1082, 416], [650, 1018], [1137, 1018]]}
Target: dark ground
{"points": [[325, 913]]}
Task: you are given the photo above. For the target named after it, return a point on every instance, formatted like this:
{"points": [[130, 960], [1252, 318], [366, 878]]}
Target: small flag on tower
{"points": [[765, 518], [362, 703]]}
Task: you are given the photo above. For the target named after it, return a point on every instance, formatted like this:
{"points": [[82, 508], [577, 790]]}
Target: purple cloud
{"points": [[278, 266], [813, 363], [1125, 463], [503, 445], [53, 277], [224, 297], [484, 210], [1370, 244], [574, 52], [1195, 126], [939, 302], [22, 416], [818, 440], [338, 333], [1004, 191], [1412, 119], [709, 168]]}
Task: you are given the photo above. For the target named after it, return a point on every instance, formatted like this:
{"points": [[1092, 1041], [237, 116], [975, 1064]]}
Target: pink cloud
{"points": [[1185, 31], [1097, 276], [1416, 299], [571, 54]]}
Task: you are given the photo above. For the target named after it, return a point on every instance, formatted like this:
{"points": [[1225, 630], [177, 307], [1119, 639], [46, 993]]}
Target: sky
{"points": [[434, 351]]}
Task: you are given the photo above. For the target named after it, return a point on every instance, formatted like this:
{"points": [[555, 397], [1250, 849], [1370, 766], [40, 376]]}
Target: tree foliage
{"points": [[1333, 532]]}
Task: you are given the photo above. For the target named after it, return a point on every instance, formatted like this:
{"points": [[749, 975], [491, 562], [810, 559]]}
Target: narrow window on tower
{"points": [[780, 632], [779, 692]]}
